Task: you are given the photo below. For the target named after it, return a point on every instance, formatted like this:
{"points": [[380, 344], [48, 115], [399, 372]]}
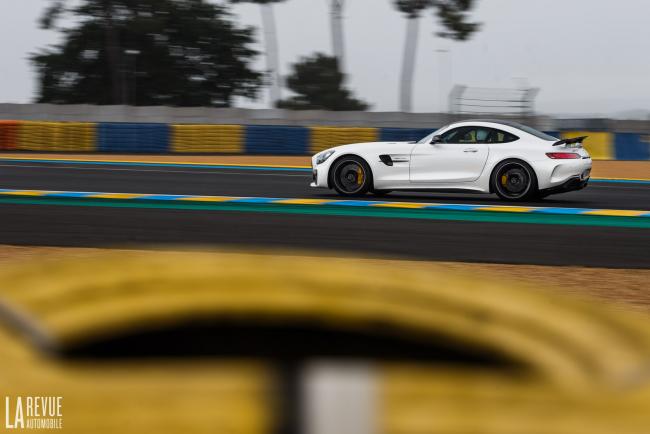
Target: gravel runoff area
{"points": [[602, 169], [621, 288]]}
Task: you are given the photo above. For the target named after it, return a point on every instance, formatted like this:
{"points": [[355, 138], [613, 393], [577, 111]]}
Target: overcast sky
{"points": [[587, 56]]}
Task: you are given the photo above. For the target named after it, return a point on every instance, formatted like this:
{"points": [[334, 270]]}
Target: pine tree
{"points": [[272, 50], [318, 83], [147, 52], [453, 17]]}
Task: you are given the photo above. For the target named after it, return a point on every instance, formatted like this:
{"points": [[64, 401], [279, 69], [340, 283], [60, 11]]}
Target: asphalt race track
{"points": [[277, 183], [24, 224]]}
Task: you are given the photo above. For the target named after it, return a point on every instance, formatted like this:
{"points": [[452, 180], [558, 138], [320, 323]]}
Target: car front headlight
{"points": [[324, 156]]}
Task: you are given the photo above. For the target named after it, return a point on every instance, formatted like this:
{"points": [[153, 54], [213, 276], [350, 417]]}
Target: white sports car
{"points": [[481, 156]]}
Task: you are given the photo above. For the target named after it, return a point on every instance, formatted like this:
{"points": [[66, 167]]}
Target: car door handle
{"points": [[472, 150]]}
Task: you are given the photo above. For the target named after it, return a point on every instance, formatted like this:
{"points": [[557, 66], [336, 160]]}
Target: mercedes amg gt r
{"points": [[481, 156]]}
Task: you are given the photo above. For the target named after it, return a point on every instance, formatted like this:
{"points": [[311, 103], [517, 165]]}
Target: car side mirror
{"points": [[436, 139]]}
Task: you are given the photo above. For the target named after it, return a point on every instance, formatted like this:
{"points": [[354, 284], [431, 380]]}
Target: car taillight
{"points": [[563, 155]]}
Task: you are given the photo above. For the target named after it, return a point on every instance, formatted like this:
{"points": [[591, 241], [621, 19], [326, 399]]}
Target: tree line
{"points": [[193, 53]]}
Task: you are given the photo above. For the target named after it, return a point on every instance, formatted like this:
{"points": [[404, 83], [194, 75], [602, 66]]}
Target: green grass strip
{"points": [[334, 210]]}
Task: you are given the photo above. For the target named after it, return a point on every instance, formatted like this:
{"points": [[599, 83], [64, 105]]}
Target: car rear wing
{"points": [[573, 141]]}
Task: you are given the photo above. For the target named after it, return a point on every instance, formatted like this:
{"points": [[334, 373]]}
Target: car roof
{"points": [[508, 126], [507, 123]]}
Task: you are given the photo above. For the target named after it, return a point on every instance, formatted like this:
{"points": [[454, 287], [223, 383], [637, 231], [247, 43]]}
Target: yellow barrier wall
{"points": [[208, 138], [599, 145], [56, 136], [326, 137]]}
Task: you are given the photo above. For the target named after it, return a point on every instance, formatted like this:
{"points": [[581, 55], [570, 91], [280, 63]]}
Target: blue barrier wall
{"points": [[628, 146], [277, 140], [403, 134], [118, 137]]}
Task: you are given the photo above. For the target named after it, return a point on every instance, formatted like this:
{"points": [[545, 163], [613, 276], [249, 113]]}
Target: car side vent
{"points": [[386, 159]]}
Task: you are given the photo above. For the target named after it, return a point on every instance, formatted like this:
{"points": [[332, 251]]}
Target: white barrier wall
{"points": [[207, 115]]}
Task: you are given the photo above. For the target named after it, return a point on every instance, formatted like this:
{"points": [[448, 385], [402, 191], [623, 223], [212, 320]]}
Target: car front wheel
{"points": [[351, 176]]}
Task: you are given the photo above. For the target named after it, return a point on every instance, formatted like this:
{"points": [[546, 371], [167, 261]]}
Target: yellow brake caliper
{"points": [[359, 176], [504, 180]]}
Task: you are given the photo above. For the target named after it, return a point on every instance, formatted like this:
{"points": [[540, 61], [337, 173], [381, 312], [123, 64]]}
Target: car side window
{"points": [[498, 136], [448, 136], [467, 135]]}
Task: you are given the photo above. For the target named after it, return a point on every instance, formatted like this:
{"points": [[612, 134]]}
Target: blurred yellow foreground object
{"points": [[573, 366]]}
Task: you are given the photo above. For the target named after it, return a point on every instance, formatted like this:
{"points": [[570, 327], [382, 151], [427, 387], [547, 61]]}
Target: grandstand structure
{"points": [[519, 102]]}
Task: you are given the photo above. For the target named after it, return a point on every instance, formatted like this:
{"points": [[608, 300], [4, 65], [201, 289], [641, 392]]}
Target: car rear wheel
{"points": [[351, 176], [514, 181]]}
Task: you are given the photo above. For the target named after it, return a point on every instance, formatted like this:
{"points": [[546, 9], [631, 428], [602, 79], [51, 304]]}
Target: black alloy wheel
{"points": [[514, 181], [351, 176]]}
